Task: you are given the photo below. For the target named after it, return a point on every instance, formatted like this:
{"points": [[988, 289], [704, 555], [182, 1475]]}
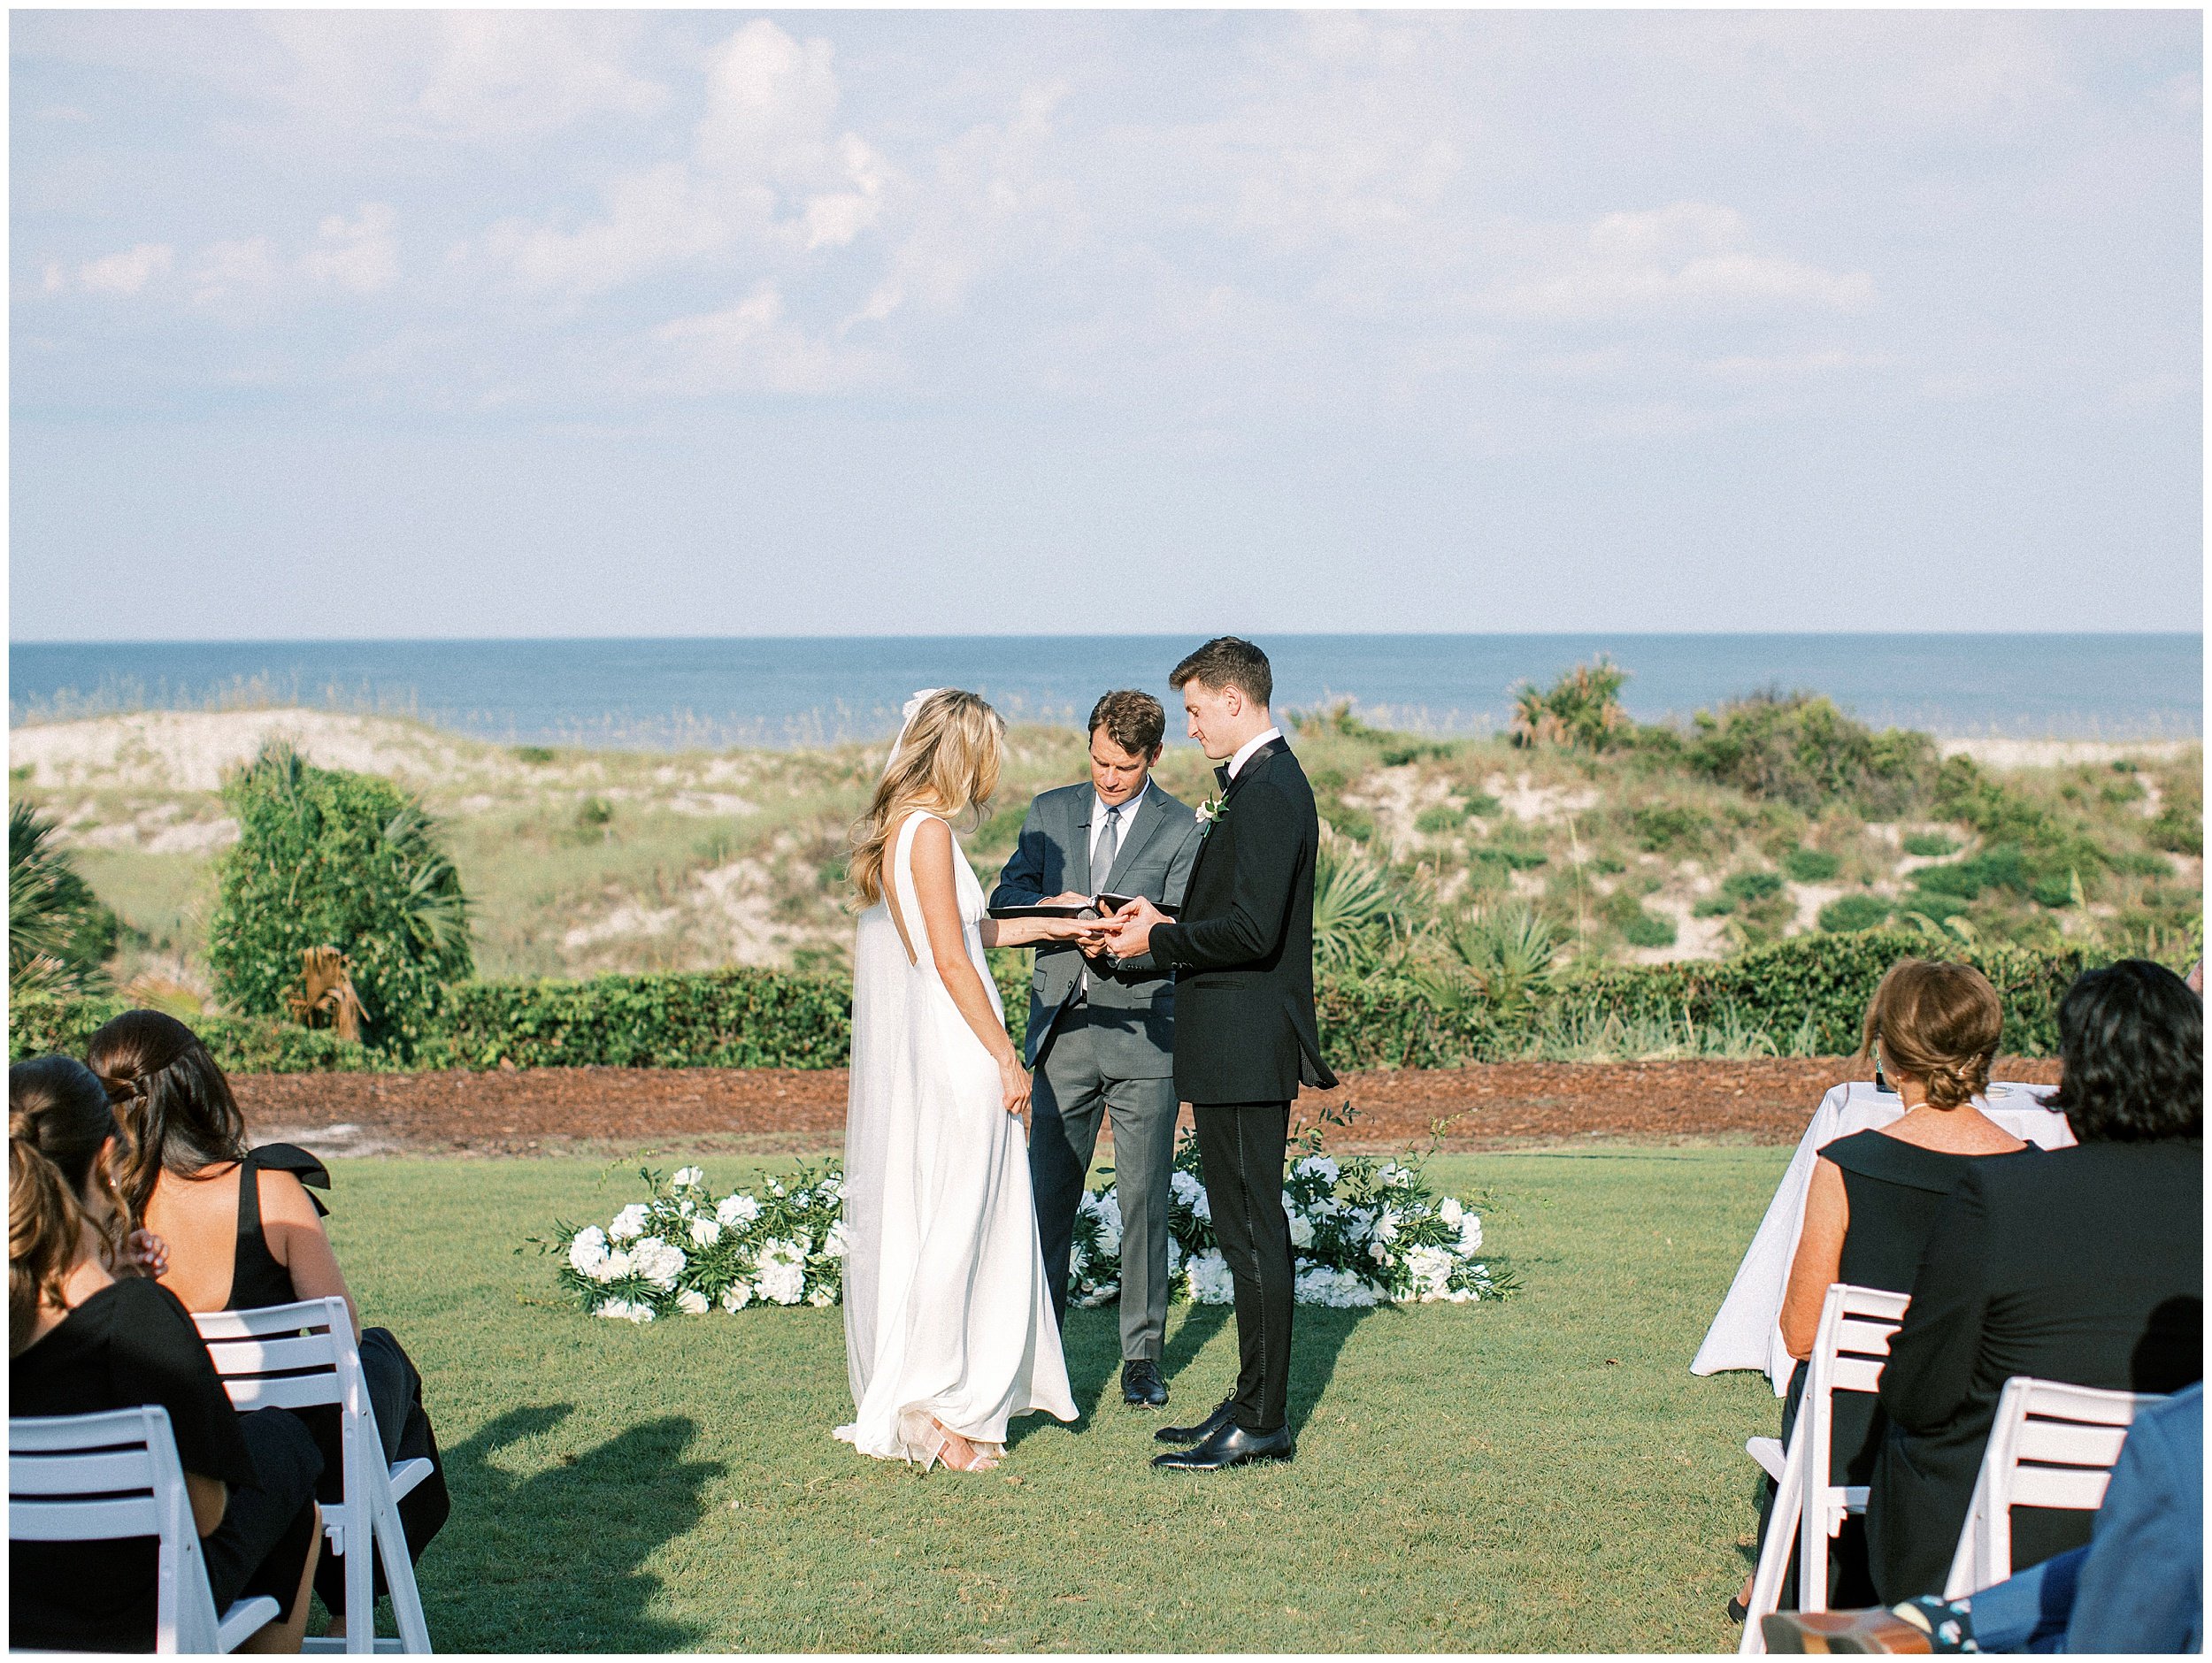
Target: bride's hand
{"points": [[1013, 1081], [1064, 929]]}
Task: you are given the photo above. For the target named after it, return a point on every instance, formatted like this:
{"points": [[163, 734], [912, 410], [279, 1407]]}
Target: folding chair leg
{"points": [[1774, 1553]]}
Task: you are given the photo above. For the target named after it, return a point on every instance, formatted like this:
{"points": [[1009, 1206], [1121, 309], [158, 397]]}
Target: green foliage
{"points": [[2179, 826], [1355, 823], [1639, 925], [1812, 866], [532, 754], [59, 934], [1854, 912], [1482, 805], [327, 858], [1356, 909], [1927, 844], [39, 1027], [1662, 828], [1744, 888], [728, 1019], [1799, 748], [1582, 711], [1441, 818]]}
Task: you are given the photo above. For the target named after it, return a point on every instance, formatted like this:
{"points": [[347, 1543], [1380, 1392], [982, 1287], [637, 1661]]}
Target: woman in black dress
{"points": [[2084, 1265], [244, 1232], [1875, 1195], [83, 1340]]}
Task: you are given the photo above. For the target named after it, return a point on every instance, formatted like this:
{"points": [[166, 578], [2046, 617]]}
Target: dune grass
{"points": [[1542, 1475]]}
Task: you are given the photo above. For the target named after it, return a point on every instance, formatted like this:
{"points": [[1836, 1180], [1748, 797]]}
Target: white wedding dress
{"points": [[946, 1316]]}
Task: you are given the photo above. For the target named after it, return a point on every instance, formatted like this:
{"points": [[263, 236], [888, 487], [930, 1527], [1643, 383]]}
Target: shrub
{"points": [[59, 934], [1583, 710], [1744, 888], [1640, 926], [730, 1019], [1811, 866], [2004, 867], [1355, 823], [327, 858], [1354, 907], [1799, 748], [1660, 827], [39, 1027], [2179, 824], [1854, 912], [1482, 805], [1441, 818], [1930, 844]]}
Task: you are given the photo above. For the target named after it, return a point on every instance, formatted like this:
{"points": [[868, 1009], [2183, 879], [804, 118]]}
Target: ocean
{"points": [[682, 693]]}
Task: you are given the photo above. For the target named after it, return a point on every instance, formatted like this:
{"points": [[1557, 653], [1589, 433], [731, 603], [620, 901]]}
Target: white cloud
{"points": [[751, 346], [1686, 259], [359, 255], [123, 273], [1792, 365], [241, 266]]}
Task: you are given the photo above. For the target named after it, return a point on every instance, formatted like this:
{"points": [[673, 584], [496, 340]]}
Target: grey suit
{"points": [[1102, 1042]]}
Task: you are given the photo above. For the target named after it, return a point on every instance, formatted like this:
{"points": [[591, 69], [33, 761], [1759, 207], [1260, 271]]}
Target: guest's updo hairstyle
{"points": [[177, 1109], [947, 760], [2131, 1045], [59, 1122], [1937, 1023]]}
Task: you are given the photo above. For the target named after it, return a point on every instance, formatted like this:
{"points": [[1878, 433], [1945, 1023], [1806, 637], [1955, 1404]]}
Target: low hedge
{"points": [[760, 1018]]}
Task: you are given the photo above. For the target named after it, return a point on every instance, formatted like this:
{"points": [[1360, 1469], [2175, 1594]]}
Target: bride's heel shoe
{"points": [[975, 1460]]}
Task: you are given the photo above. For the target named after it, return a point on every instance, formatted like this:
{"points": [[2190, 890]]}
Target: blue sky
{"points": [[429, 323]]}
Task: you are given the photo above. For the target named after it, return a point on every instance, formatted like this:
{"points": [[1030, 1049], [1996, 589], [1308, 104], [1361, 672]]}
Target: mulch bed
{"points": [[1764, 1100]]}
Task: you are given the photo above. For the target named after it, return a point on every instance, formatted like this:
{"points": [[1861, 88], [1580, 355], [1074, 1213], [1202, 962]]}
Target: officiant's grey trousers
{"points": [[1071, 1096]]}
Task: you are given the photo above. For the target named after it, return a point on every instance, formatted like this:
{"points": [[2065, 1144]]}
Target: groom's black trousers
{"points": [[1241, 1148]]}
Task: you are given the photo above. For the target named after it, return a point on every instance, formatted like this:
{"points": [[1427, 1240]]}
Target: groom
{"points": [[1245, 1034]]}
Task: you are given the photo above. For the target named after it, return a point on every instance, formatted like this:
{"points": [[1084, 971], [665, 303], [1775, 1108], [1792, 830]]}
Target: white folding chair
{"points": [[109, 1477], [300, 1356], [2051, 1445], [1848, 1348]]}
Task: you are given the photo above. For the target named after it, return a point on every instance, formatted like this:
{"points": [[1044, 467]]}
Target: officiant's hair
{"points": [[1228, 661], [947, 760], [1132, 720], [1938, 1022]]}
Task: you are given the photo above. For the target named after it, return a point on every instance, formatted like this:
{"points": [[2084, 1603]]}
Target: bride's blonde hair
{"points": [[947, 762]]}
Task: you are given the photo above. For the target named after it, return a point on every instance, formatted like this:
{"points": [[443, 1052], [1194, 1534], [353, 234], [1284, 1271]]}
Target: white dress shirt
{"points": [[1100, 809], [1245, 750]]}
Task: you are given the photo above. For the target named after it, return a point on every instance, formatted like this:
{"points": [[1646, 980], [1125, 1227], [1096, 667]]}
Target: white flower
{"points": [[1430, 1270], [802, 1199], [1325, 1207], [830, 1188], [737, 1209], [627, 1310], [705, 1231], [1359, 1223], [1104, 1292], [1450, 1210], [1301, 1231], [685, 1176], [834, 1245], [691, 1302], [1393, 1175], [1174, 1256], [1469, 1234], [1380, 1251], [737, 1296], [629, 1224], [1186, 1189], [780, 1273], [659, 1262], [1387, 1224], [1211, 1283], [588, 1252], [1318, 1166], [1322, 1285], [822, 1296], [617, 1266]]}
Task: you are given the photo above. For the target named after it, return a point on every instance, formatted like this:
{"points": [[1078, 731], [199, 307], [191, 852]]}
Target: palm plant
{"points": [[57, 931], [1356, 906], [1500, 956]]}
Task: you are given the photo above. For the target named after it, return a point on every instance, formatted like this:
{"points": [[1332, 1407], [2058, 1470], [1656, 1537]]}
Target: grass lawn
{"points": [[1542, 1475]]}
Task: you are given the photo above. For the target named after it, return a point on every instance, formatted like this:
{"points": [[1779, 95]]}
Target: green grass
{"points": [[1542, 1475]]}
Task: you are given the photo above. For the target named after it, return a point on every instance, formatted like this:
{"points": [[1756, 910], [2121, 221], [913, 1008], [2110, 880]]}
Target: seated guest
{"points": [[1932, 1030], [2137, 1587], [243, 1232], [2081, 1265], [82, 1338]]}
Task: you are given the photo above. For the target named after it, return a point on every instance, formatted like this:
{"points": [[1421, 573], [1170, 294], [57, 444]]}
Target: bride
{"points": [[948, 1326]]}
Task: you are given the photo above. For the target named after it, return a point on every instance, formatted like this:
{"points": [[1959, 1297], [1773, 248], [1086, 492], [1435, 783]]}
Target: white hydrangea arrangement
{"points": [[1365, 1231], [686, 1252]]}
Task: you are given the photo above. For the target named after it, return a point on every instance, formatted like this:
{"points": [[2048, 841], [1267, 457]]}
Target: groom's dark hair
{"points": [[1227, 661]]}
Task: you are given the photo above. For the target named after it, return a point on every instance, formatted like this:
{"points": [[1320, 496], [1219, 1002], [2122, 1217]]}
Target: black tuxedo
{"points": [[1243, 951], [1245, 1038]]}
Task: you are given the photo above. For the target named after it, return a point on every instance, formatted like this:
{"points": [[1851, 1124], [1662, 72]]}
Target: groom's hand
{"points": [[1129, 933]]}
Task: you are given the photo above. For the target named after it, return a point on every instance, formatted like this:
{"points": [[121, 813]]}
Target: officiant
{"points": [[1101, 1045]]}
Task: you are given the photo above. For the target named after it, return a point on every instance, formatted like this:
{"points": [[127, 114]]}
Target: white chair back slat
{"points": [[106, 1520], [101, 1452], [2038, 1422], [1853, 1339], [316, 1335], [107, 1472]]}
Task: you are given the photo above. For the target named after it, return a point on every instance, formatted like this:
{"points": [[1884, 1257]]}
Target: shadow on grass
{"points": [[556, 1560]]}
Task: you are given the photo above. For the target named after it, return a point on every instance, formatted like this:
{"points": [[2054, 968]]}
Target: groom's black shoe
{"points": [[1231, 1446], [1141, 1385], [1224, 1415]]}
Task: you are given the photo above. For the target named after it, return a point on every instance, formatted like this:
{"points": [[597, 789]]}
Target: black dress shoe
{"points": [[1141, 1385], [1226, 1414], [1231, 1446]]}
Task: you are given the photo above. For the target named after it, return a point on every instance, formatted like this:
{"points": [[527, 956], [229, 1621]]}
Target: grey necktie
{"points": [[1103, 864]]}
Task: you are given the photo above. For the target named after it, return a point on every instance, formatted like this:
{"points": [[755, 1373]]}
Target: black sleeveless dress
{"points": [[1896, 1192], [257, 1280]]}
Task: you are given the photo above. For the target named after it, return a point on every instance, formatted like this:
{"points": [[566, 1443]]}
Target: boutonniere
{"points": [[1213, 809]]}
